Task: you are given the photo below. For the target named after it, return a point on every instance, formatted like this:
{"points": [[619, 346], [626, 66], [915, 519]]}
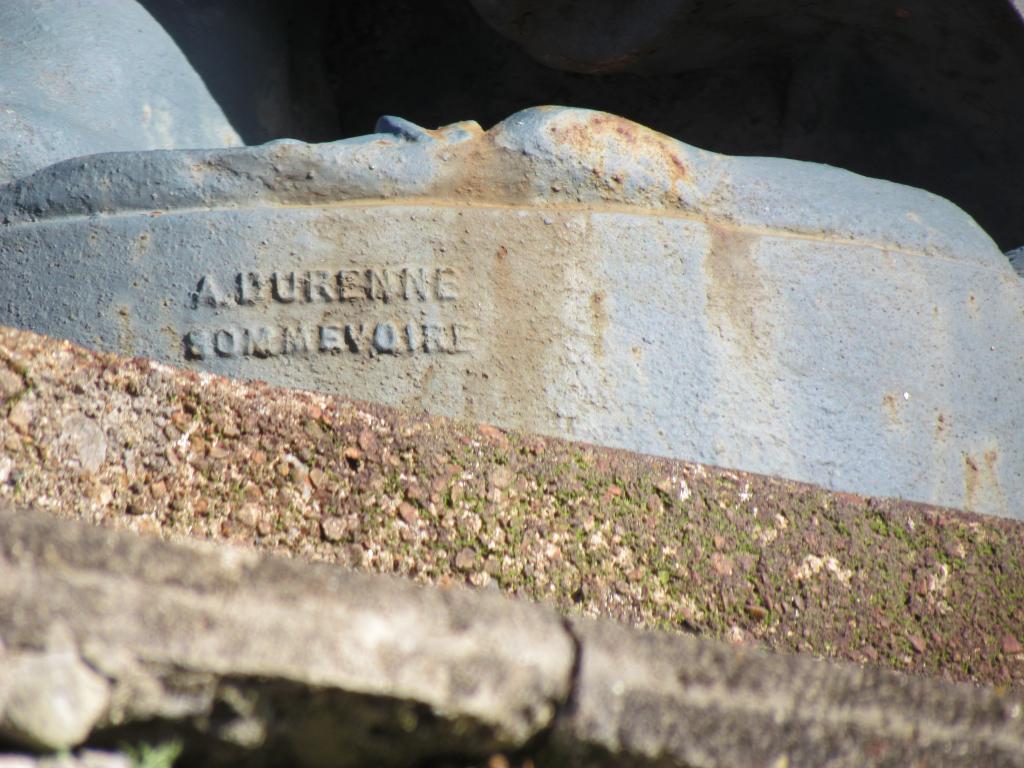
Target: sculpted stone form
{"points": [[567, 272], [80, 79]]}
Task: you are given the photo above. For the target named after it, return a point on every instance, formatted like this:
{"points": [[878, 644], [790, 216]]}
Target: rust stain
{"points": [[126, 334], [478, 170], [590, 139], [511, 367], [891, 403], [972, 305], [981, 479], [599, 322], [678, 163], [971, 479], [736, 291], [941, 425]]}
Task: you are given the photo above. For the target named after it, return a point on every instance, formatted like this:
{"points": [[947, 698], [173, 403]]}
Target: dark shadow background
{"points": [[924, 93]]}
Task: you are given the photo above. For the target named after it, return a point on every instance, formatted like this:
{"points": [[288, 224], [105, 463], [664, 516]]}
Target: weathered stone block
{"points": [[313, 664], [50, 700], [662, 700], [248, 660], [567, 272]]}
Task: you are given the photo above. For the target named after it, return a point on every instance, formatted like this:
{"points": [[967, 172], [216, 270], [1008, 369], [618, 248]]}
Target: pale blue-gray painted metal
{"points": [[567, 272], [80, 78]]}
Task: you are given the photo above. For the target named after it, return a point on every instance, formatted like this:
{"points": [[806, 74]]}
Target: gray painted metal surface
{"points": [[79, 78], [567, 272]]}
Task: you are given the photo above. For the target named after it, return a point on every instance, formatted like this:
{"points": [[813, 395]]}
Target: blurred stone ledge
{"points": [[110, 638]]}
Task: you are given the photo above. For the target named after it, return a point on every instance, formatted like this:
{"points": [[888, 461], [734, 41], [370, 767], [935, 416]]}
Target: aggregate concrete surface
{"points": [[650, 542], [266, 661]]}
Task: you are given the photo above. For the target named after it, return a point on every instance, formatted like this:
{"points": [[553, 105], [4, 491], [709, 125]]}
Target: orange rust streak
{"points": [[591, 135]]}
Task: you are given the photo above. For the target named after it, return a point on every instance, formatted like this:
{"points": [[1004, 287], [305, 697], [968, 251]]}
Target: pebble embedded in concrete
{"points": [[84, 442]]}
